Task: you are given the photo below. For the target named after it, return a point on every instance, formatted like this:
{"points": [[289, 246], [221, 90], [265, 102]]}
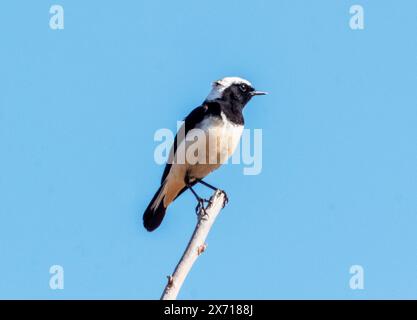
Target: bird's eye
{"points": [[243, 87]]}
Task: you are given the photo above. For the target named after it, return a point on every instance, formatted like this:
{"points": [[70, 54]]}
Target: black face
{"points": [[238, 94]]}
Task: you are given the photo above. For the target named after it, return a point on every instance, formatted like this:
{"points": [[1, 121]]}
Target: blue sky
{"points": [[79, 108]]}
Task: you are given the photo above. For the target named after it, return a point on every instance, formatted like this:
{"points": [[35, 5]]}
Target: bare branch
{"points": [[196, 246]]}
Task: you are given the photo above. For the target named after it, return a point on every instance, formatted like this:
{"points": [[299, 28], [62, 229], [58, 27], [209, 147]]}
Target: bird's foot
{"points": [[226, 198], [203, 215], [200, 209]]}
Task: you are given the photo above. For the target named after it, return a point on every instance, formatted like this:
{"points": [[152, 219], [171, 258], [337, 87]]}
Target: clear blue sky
{"points": [[79, 108]]}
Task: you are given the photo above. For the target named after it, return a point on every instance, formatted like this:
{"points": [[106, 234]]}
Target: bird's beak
{"points": [[258, 93]]}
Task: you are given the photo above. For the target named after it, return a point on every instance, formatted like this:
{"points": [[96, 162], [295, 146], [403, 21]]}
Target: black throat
{"points": [[232, 110]]}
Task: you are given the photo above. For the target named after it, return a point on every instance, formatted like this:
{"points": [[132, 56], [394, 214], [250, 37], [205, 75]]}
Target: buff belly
{"points": [[219, 141], [206, 149]]}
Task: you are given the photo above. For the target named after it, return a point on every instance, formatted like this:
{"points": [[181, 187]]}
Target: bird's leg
{"points": [[200, 206], [207, 184], [226, 199]]}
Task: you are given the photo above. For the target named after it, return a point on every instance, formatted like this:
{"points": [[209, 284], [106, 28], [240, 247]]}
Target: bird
{"points": [[219, 123]]}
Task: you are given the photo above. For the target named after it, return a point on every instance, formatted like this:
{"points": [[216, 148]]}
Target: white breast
{"points": [[222, 138], [217, 140]]}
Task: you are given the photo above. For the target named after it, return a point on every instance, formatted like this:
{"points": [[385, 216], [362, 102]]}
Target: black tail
{"points": [[153, 216]]}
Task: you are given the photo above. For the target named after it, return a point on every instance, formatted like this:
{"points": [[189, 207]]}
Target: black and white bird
{"points": [[221, 121]]}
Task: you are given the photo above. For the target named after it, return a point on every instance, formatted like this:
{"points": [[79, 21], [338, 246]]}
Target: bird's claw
{"points": [[208, 201], [226, 198], [201, 210], [203, 214], [198, 208]]}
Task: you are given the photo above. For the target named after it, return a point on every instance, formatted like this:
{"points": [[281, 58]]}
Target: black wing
{"points": [[190, 122]]}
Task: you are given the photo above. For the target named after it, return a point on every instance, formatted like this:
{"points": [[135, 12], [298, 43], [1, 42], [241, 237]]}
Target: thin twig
{"points": [[196, 246]]}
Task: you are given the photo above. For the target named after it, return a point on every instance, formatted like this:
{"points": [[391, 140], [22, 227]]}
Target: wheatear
{"points": [[206, 140]]}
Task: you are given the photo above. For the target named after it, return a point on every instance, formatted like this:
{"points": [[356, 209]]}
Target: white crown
{"points": [[220, 85]]}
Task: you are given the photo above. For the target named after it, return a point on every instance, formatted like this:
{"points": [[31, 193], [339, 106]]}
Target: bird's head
{"points": [[234, 90]]}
